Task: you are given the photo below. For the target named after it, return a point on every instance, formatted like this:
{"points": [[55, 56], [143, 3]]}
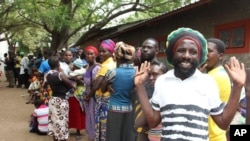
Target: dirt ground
{"points": [[15, 115]]}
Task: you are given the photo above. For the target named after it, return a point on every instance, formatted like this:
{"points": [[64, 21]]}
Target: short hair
{"points": [[39, 55], [53, 62], [156, 43], [163, 67], [38, 102], [83, 55], [220, 45], [67, 50]]}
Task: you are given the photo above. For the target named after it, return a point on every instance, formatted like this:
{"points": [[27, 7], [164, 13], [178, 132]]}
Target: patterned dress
{"points": [[58, 107], [102, 102]]}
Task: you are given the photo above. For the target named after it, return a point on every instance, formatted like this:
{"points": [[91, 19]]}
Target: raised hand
{"points": [[141, 74], [203, 67], [236, 71]]}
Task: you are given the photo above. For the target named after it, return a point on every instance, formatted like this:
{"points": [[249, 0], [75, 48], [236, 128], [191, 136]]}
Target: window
{"points": [[162, 45], [235, 35]]}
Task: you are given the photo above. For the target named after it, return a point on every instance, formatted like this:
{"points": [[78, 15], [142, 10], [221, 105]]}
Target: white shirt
{"points": [[65, 67], [76, 72], [24, 64], [185, 105]]}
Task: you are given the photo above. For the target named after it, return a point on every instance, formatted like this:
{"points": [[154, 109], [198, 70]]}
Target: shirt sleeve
{"points": [[155, 98], [110, 75], [95, 71], [216, 105], [34, 113], [102, 71], [42, 68]]}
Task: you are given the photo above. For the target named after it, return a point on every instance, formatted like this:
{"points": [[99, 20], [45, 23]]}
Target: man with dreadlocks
{"points": [[184, 97]]}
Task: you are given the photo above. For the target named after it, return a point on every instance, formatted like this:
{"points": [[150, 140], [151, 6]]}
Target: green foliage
{"points": [[64, 22]]}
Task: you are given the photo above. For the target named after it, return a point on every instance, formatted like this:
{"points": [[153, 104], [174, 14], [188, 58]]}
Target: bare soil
{"points": [[15, 116]]}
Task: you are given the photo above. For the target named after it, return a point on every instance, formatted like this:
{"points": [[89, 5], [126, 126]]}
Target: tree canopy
{"points": [[60, 23]]}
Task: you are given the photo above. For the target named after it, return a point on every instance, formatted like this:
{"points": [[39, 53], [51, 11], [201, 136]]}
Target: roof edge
{"points": [[167, 14]]}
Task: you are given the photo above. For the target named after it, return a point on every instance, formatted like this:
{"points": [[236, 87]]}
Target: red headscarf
{"points": [[92, 48]]}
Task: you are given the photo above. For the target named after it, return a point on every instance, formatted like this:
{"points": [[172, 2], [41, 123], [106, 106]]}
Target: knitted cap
{"points": [[186, 33], [124, 51]]}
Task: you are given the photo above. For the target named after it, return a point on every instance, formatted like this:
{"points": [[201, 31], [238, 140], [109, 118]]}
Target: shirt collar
{"points": [[170, 74]]}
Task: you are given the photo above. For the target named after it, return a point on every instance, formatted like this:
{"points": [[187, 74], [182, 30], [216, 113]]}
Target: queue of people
{"points": [[18, 68], [130, 95]]}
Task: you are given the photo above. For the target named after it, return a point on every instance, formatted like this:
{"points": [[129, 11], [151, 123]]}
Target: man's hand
{"points": [[142, 75], [203, 67], [236, 71]]}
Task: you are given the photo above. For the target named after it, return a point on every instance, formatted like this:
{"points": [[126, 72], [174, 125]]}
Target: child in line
{"points": [[34, 89], [77, 76], [39, 118]]}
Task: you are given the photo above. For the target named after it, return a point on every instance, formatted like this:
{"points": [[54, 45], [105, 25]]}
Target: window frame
{"points": [[230, 27], [160, 40]]}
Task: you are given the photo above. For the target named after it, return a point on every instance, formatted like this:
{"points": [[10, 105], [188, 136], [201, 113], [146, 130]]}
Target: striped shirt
{"points": [[42, 117], [185, 105]]}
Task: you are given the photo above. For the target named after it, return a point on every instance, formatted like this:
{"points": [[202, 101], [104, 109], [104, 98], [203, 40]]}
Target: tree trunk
{"points": [[58, 41]]}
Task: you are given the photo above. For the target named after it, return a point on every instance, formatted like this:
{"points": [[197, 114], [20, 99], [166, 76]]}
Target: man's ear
{"points": [[156, 50], [221, 56]]}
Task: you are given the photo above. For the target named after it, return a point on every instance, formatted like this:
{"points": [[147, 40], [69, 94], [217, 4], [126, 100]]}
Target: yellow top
{"points": [[224, 85], [18, 65], [109, 64]]}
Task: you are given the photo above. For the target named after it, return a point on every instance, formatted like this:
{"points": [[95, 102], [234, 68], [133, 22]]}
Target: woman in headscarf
{"points": [[76, 111], [106, 51], [91, 53], [120, 121], [71, 70]]}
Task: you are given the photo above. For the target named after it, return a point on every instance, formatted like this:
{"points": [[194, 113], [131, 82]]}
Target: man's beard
{"points": [[184, 73], [148, 58]]}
